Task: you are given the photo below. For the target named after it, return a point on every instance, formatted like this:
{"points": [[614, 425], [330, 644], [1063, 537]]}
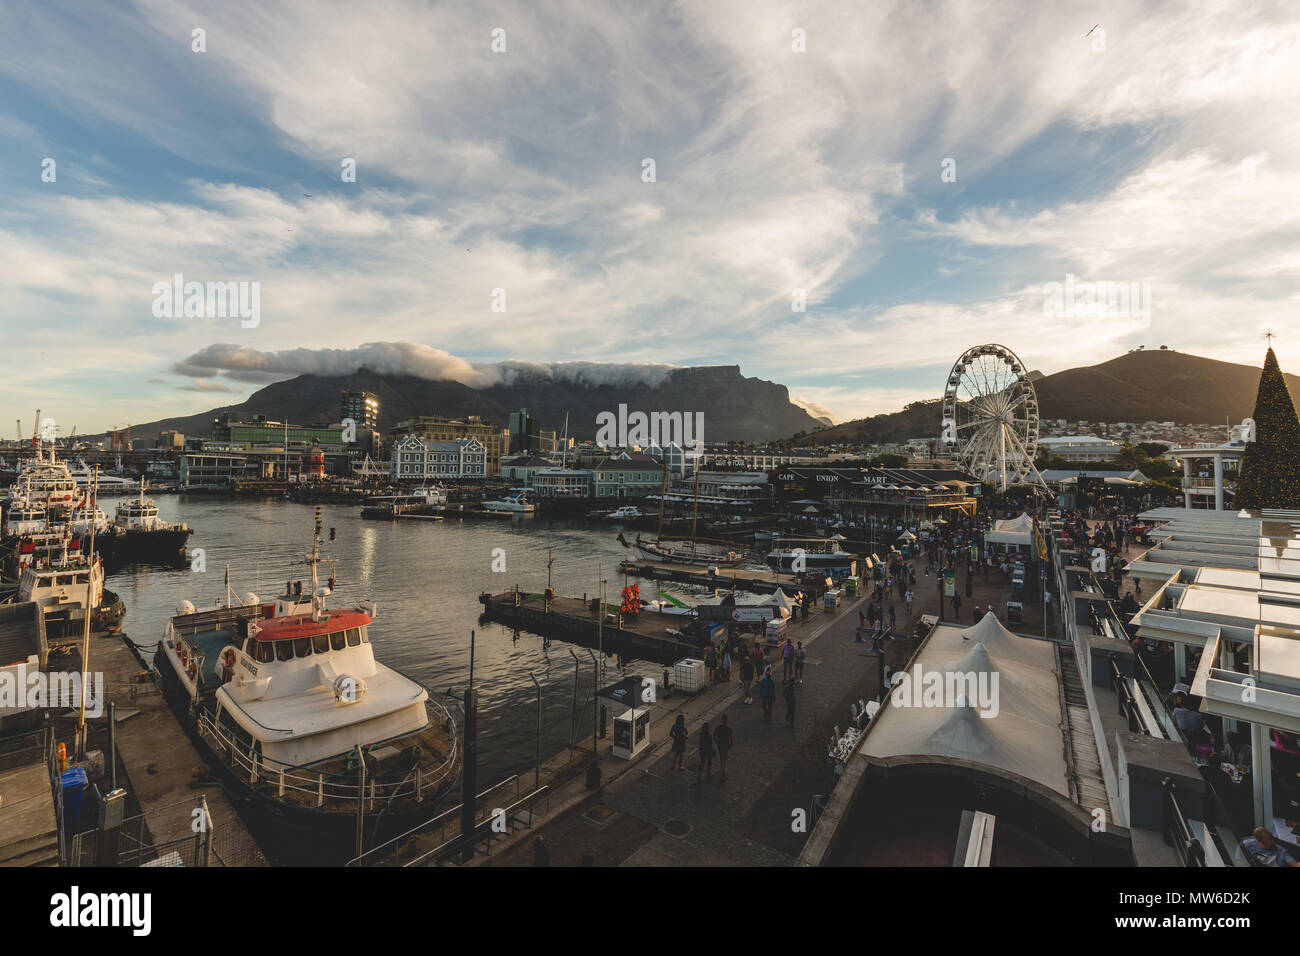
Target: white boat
{"points": [[106, 484], [81, 520], [290, 692], [63, 586], [23, 517], [626, 513], [795, 554], [48, 483], [517, 502], [694, 552]]}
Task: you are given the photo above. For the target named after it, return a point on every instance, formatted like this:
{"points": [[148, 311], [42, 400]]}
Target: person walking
{"points": [[746, 679], [679, 735], [909, 598], [893, 619], [789, 703], [787, 659], [799, 654], [767, 695], [706, 753], [723, 738], [541, 853]]}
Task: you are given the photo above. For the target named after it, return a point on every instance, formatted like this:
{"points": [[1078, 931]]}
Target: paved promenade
{"points": [[646, 814]]}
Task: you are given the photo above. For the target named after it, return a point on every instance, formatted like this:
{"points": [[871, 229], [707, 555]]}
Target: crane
{"points": [[36, 430]]}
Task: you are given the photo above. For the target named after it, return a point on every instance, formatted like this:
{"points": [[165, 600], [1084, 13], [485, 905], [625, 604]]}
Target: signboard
{"points": [[950, 583], [744, 614]]}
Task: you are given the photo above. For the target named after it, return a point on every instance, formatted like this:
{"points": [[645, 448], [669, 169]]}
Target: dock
{"points": [[739, 579], [644, 636]]}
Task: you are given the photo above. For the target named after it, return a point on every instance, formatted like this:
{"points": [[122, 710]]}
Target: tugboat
{"points": [[302, 723], [139, 536], [47, 483], [61, 585]]}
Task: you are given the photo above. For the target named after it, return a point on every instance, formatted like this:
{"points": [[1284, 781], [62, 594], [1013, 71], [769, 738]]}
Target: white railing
{"points": [[316, 788]]}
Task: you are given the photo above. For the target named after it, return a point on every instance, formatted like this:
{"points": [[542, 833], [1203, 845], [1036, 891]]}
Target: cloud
{"points": [[198, 385], [405, 358]]}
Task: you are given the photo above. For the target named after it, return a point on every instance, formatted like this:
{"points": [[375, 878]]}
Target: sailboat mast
{"points": [[663, 490]]}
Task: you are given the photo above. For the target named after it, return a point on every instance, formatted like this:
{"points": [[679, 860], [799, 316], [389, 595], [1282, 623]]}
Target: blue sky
{"points": [[1165, 154]]}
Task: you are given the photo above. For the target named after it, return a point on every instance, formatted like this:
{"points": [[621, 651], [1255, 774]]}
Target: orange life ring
{"points": [[230, 657], [193, 670], [183, 654]]}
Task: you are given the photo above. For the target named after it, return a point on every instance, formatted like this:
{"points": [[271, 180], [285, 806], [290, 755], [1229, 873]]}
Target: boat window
{"points": [[302, 647], [250, 647], [365, 635], [265, 652], [338, 640], [354, 637], [284, 650], [320, 643]]}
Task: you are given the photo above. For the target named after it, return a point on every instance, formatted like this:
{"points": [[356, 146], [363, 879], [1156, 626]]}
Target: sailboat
{"points": [[705, 552]]}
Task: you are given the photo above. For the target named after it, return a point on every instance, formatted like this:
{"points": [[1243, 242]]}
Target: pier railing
{"points": [[444, 829], [313, 788]]}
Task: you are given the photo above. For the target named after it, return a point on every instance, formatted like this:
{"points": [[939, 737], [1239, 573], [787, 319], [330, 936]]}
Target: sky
{"points": [[921, 172]]}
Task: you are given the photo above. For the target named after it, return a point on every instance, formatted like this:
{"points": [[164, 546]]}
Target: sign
{"points": [[760, 613], [950, 583]]}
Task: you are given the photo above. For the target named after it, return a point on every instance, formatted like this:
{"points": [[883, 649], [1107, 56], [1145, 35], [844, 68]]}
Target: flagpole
{"points": [[90, 607]]}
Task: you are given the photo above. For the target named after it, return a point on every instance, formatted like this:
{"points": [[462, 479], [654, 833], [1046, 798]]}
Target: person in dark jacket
{"points": [[706, 752], [679, 735], [723, 738], [746, 679], [767, 695]]}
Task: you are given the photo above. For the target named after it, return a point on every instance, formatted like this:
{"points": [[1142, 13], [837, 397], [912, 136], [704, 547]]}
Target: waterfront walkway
{"points": [[646, 814]]}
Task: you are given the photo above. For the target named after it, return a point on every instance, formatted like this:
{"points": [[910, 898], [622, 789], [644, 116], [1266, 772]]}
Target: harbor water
{"points": [[425, 577]]}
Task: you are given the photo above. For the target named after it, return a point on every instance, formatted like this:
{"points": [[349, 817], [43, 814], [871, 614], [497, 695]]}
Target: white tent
{"points": [[1012, 531], [779, 599], [1018, 731], [810, 510], [907, 536]]}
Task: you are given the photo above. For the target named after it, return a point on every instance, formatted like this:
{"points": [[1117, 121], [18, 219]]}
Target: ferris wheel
{"points": [[990, 417]]}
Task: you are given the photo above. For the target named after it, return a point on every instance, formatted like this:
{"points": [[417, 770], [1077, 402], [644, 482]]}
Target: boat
{"points": [[86, 515], [626, 513], [139, 536], [692, 550], [63, 584], [815, 553], [105, 484], [423, 501], [302, 722], [47, 483], [23, 517], [518, 501]]}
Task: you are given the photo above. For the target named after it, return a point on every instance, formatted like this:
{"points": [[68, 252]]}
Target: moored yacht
{"points": [[517, 501], [295, 713], [799, 554], [63, 586]]}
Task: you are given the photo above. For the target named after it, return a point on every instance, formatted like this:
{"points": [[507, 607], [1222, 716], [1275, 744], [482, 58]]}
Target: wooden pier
{"points": [[645, 636]]}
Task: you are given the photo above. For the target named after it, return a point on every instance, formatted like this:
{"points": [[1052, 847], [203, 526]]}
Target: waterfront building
{"points": [[1210, 474], [211, 469], [433, 428], [418, 460], [563, 482], [629, 477], [519, 471], [681, 462]]}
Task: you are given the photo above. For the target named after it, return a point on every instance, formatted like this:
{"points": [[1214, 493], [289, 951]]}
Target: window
{"points": [[365, 635], [354, 637], [302, 647], [320, 643], [338, 640], [283, 650]]}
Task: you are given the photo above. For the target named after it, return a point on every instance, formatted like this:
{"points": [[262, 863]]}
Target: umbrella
{"points": [[810, 510]]}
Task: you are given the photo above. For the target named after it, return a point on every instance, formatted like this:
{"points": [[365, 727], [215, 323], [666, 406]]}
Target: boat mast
{"points": [[317, 600], [696, 515], [663, 490]]}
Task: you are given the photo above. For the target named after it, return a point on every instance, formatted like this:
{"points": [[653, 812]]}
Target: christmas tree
{"points": [[1270, 468]]}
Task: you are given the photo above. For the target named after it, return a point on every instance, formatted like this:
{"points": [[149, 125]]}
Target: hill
{"points": [[734, 407], [1135, 387]]}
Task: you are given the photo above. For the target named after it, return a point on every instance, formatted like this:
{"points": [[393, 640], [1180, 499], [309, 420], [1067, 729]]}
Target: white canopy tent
{"points": [[1012, 531]]}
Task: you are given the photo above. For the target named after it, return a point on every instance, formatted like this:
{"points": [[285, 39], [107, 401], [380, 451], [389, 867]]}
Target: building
{"points": [[1080, 448], [563, 482], [432, 428], [1210, 474], [361, 407], [523, 433], [418, 460], [629, 477], [211, 469], [171, 440]]}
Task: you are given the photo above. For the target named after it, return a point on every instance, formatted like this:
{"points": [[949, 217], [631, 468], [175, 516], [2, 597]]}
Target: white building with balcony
{"points": [[1210, 474]]}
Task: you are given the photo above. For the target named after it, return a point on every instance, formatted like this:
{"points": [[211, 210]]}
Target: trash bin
{"points": [[74, 783], [1014, 612]]}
